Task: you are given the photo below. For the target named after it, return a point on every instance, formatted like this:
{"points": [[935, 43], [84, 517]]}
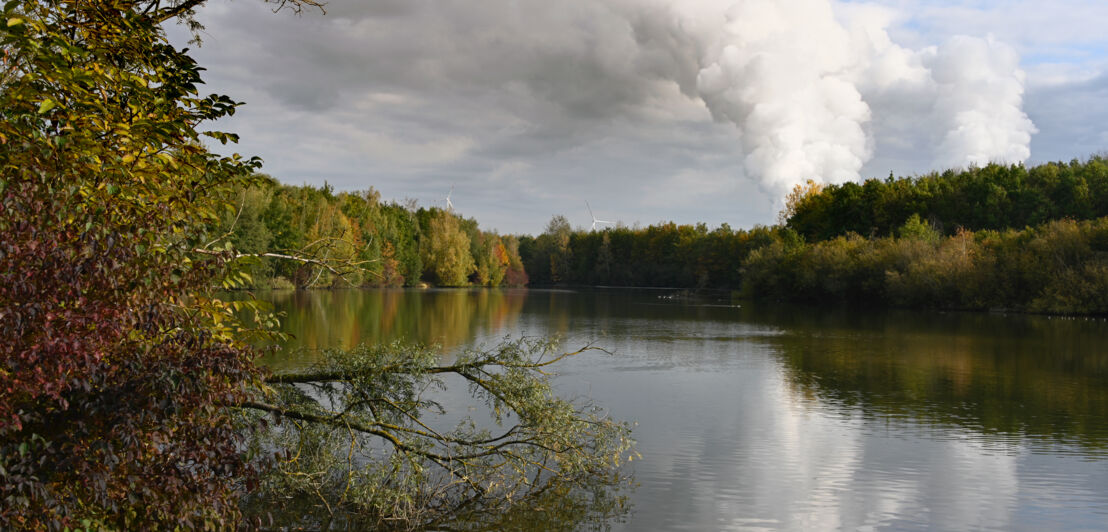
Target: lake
{"points": [[763, 417]]}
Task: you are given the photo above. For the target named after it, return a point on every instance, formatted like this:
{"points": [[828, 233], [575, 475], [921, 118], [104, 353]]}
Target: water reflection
{"points": [[343, 319], [1017, 378], [781, 418], [556, 506]]}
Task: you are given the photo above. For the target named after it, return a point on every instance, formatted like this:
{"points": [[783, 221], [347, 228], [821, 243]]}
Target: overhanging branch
{"points": [[306, 260], [186, 6], [371, 429], [461, 369]]}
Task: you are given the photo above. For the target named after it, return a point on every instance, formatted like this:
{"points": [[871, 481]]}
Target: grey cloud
{"points": [[1072, 117], [531, 106]]}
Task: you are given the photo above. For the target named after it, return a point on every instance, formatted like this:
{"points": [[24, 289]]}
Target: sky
{"points": [[650, 110]]}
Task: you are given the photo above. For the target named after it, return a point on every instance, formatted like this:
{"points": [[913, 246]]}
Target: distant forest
{"points": [[994, 237], [995, 197], [393, 245]]}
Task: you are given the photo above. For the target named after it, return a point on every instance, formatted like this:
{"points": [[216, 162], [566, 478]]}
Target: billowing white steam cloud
{"points": [[798, 84], [978, 100], [781, 72]]}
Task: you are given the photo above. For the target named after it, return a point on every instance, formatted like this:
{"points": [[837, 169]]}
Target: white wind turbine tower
{"points": [[594, 220], [449, 204]]}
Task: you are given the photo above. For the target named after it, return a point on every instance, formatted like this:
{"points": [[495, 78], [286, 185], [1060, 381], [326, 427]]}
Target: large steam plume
{"points": [[781, 73], [797, 80]]}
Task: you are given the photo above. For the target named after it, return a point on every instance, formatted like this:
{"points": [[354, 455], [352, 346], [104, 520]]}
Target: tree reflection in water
{"points": [[1035, 379]]}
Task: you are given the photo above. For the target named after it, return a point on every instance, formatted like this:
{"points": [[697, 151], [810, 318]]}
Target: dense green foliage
{"points": [[1030, 239], [1058, 267], [392, 245], [665, 255], [992, 197]]}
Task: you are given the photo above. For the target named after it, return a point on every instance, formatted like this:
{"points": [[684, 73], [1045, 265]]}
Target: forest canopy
{"points": [[993, 197], [393, 244]]}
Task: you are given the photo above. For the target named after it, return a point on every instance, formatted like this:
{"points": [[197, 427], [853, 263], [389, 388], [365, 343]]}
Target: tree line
{"points": [[994, 197], [882, 241], [392, 244], [996, 237], [662, 255]]}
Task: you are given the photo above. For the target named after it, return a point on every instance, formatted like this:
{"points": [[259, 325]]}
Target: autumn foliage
{"points": [[115, 368], [107, 406]]}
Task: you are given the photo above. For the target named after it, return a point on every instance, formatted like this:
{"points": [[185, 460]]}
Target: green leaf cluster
{"points": [[1059, 267]]}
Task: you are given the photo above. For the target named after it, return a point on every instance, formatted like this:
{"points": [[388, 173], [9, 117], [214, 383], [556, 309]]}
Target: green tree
{"points": [[604, 260], [916, 229], [446, 253], [558, 233]]}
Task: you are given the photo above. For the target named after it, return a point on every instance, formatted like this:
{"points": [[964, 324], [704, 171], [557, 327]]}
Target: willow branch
{"points": [[344, 375], [340, 421]]}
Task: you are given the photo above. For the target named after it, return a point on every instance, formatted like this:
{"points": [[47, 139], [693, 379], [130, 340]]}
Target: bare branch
{"points": [[371, 429], [177, 10], [230, 230], [342, 375], [306, 260], [185, 7]]}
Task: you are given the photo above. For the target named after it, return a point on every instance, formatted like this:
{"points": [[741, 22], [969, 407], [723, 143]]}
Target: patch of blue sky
{"points": [[1066, 54]]}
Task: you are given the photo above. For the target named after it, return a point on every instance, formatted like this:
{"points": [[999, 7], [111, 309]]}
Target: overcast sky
{"points": [[652, 110]]}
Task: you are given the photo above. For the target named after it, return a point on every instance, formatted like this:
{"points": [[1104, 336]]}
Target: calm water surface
{"points": [[775, 418]]}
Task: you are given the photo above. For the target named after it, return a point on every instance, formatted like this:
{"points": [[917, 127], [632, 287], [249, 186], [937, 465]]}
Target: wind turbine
{"points": [[449, 204], [594, 220]]}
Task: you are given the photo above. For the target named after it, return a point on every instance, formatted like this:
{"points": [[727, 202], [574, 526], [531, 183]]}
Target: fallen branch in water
{"points": [[373, 414]]}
